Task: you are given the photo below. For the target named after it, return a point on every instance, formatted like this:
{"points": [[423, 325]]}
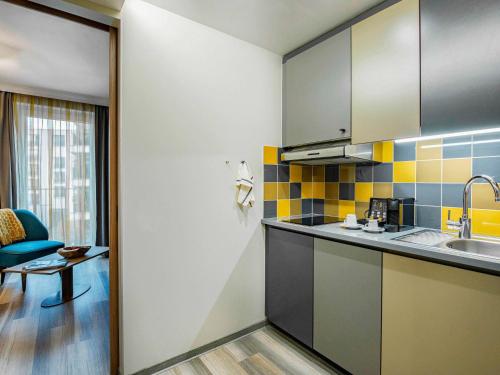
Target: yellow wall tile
{"points": [[430, 149], [319, 173], [283, 208], [345, 208], [307, 173], [319, 190], [486, 222], [270, 191], [307, 190], [295, 173], [483, 197], [363, 191], [283, 190], [404, 171], [332, 190], [387, 152], [332, 207], [361, 208], [295, 207], [455, 214], [347, 172], [457, 170], [382, 189], [378, 151], [429, 171], [270, 155]]}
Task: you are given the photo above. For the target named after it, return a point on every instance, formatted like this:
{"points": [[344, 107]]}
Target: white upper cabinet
{"points": [[386, 74], [317, 93]]}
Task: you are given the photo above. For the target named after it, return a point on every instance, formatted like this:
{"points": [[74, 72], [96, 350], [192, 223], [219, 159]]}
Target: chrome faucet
{"points": [[464, 223]]}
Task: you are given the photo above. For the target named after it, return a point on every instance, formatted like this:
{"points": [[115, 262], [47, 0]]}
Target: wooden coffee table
{"points": [[69, 291]]}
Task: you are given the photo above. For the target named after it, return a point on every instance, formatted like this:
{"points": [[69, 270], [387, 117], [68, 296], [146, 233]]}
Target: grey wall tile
{"points": [[295, 190], [453, 195], [318, 206], [492, 148], [346, 191], [457, 151], [364, 173], [403, 190], [270, 173], [405, 151], [283, 173], [429, 217], [332, 173], [428, 194], [489, 166], [270, 209], [307, 206], [382, 172]]}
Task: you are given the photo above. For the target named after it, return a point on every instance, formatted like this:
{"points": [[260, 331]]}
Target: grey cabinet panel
{"points": [[460, 65], [347, 305], [317, 92], [289, 283]]}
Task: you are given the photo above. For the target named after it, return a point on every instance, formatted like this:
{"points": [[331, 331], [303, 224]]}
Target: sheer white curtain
{"points": [[56, 167]]}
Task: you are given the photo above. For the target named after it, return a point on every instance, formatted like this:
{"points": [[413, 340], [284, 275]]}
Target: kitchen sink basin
{"points": [[487, 248]]}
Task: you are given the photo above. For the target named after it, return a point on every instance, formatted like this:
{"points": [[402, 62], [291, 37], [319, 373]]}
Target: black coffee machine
{"points": [[395, 214]]}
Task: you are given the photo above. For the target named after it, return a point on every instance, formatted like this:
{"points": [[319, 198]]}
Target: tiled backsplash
{"points": [[433, 172]]}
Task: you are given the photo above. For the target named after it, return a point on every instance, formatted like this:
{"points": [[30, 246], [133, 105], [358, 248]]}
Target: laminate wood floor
{"points": [[263, 352], [69, 339]]}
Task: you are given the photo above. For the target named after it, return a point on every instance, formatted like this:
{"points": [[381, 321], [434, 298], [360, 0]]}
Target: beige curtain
{"points": [[56, 166]]}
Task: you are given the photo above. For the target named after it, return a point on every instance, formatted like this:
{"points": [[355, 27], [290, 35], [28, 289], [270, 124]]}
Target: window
{"points": [[56, 166]]}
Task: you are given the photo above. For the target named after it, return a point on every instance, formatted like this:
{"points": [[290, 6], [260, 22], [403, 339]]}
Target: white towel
{"points": [[244, 182]]}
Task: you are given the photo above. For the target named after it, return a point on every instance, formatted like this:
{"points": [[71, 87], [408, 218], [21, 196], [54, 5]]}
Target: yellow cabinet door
{"points": [[438, 320], [386, 74]]}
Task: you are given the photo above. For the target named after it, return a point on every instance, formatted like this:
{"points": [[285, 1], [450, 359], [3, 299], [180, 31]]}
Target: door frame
{"points": [[114, 249]]}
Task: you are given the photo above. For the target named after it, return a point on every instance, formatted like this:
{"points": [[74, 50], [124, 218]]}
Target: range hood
{"points": [[335, 154]]}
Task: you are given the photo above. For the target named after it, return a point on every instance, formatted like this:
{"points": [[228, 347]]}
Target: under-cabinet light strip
{"points": [[448, 135]]}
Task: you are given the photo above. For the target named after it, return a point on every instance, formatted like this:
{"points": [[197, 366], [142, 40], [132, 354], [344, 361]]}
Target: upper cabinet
{"points": [[460, 65], [317, 93], [386, 74]]}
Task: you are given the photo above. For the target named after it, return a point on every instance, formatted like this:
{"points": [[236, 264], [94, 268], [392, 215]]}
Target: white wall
{"points": [[192, 261]]}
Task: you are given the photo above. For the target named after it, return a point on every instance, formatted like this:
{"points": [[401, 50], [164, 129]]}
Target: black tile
{"points": [[429, 217], [295, 190], [346, 191], [428, 194], [318, 206], [332, 173], [270, 173], [270, 209], [307, 206], [364, 173], [382, 172], [283, 173]]}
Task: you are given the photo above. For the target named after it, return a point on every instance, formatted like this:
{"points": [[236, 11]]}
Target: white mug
{"points": [[372, 224], [351, 220]]}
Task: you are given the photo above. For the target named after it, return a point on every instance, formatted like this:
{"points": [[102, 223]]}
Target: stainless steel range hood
{"points": [[334, 154]]}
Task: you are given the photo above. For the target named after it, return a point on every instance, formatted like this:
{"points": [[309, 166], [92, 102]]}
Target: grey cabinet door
{"points": [[289, 283], [317, 92], [460, 65], [348, 305]]}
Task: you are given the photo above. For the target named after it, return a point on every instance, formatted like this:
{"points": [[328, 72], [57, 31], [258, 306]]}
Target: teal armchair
{"points": [[35, 245]]}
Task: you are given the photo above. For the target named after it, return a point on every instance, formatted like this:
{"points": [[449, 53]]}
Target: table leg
{"points": [[23, 281], [68, 291]]}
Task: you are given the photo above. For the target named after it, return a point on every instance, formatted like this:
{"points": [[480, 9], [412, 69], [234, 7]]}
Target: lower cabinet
{"points": [[439, 319], [289, 283], [347, 305]]}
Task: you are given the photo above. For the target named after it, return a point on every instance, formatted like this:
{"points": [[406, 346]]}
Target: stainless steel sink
{"points": [[480, 247]]}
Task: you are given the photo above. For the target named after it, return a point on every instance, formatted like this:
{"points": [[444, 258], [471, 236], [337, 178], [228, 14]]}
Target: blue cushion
{"points": [[25, 251], [34, 228]]}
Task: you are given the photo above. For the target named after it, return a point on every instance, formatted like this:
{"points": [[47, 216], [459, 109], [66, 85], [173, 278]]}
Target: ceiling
{"points": [[277, 25], [44, 55]]}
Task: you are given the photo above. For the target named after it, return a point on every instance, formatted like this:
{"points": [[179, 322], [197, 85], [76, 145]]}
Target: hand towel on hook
{"points": [[244, 183]]}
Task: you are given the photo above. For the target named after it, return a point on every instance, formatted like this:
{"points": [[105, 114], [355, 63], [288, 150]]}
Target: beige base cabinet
{"points": [[438, 320]]}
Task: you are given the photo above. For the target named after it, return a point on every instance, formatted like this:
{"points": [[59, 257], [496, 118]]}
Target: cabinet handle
{"points": [[342, 130]]}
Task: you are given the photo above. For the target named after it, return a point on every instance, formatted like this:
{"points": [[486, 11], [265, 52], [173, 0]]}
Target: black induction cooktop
{"points": [[311, 220]]}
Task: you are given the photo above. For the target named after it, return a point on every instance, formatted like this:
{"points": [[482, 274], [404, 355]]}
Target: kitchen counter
{"points": [[385, 242]]}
